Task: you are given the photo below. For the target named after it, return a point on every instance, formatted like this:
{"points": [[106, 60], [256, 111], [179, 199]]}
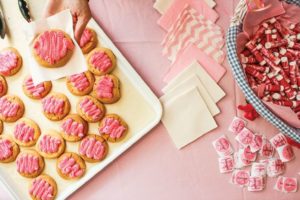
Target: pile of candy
{"points": [[271, 63], [250, 146]]}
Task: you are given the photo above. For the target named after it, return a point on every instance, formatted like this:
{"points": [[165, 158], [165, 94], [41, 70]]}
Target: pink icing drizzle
{"points": [[52, 105], [101, 61], [52, 46], [71, 127], [23, 132], [6, 149], [104, 88], [113, 128], [8, 108], [70, 167], [8, 61], [90, 109], [80, 81], [92, 148], [41, 189], [86, 37], [49, 144], [35, 90], [28, 164]]}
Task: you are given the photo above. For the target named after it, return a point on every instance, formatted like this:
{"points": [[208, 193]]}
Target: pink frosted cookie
{"points": [[53, 48], [30, 164], [101, 61], [107, 89], [11, 108], [51, 145], [80, 84], [70, 166], [26, 132], [113, 128], [43, 187], [3, 86], [36, 91], [93, 148], [88, 40], [10, 61], [56, 106], [9, 150], [73, 128], [90, 109]]}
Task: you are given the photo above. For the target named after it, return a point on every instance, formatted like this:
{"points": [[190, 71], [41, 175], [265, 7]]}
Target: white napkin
{"points": [[193, 81], [214, 90], [186, 117], [76, 64], [162, 5]]}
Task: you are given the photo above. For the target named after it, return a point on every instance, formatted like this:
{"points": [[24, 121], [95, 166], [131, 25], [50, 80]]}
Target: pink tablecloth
{"points": [[154, 168]]}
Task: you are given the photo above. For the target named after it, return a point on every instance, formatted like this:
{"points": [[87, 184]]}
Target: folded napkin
{"points": [[186, 117], [191, 27], [76, 64], [168, 18], [213, 89], [162, 5], [193, 81], [187, 56]]}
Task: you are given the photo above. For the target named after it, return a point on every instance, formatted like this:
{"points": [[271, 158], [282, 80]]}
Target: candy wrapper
{"points": [[76, 64], [240, 177], [286, 184], [237, 125], [223, 146], [256, 183]]}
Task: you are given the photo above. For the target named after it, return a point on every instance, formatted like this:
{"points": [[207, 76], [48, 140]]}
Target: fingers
{"points": [[80, 26]]}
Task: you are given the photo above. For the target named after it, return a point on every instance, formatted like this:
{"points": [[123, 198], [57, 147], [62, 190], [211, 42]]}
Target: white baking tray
{"points": [[138, 106]]}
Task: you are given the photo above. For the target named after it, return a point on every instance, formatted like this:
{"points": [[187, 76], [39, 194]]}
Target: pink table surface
{"points": [[154, 168]]}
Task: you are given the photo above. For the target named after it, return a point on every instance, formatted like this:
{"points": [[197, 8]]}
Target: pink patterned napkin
{"points": [[187, 56], [177, 6], [191, 27]]}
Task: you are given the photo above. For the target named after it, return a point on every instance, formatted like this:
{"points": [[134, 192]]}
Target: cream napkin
{"points": [[76, 64], [162, 5], [214, 90], [210, 3], [186, 117], [193, 81]]}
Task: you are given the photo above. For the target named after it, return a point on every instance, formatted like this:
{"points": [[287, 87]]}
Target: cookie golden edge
{"points": [[47, 86], [59, 63], [100, 139], [16, 150], [49, 180], [41, 163], [19, 63], [79, 119], [75, 91], [122, 122], [61, 149], [91, 44], [110, 54], [20, 112], [37, 132], [78, 159], [67, 108]]}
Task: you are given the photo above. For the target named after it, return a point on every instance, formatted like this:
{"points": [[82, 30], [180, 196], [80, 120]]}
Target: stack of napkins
{"points": [[194, 45], [189, 103]]}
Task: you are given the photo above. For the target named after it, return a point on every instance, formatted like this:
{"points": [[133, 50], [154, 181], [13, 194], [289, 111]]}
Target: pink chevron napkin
{"points": [[187, 56], [169, 17], [191, 27]]}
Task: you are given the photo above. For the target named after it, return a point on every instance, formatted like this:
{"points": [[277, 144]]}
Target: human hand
{"points": [[80, 11]]}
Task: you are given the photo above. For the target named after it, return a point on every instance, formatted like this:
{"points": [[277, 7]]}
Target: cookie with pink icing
{"points": [[70, 166], [88, 40], [9, 150], [93, 148], [30, 164], [3, 86], [56, 106], [101, 61], [10, 61], [1, 127], [73, 128], [51, 145], [26, 132], [107, 89], [53, 48], [90, 109], [43, 187], [113, 128], [80, 84], [38, 91], [11, 108]]}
